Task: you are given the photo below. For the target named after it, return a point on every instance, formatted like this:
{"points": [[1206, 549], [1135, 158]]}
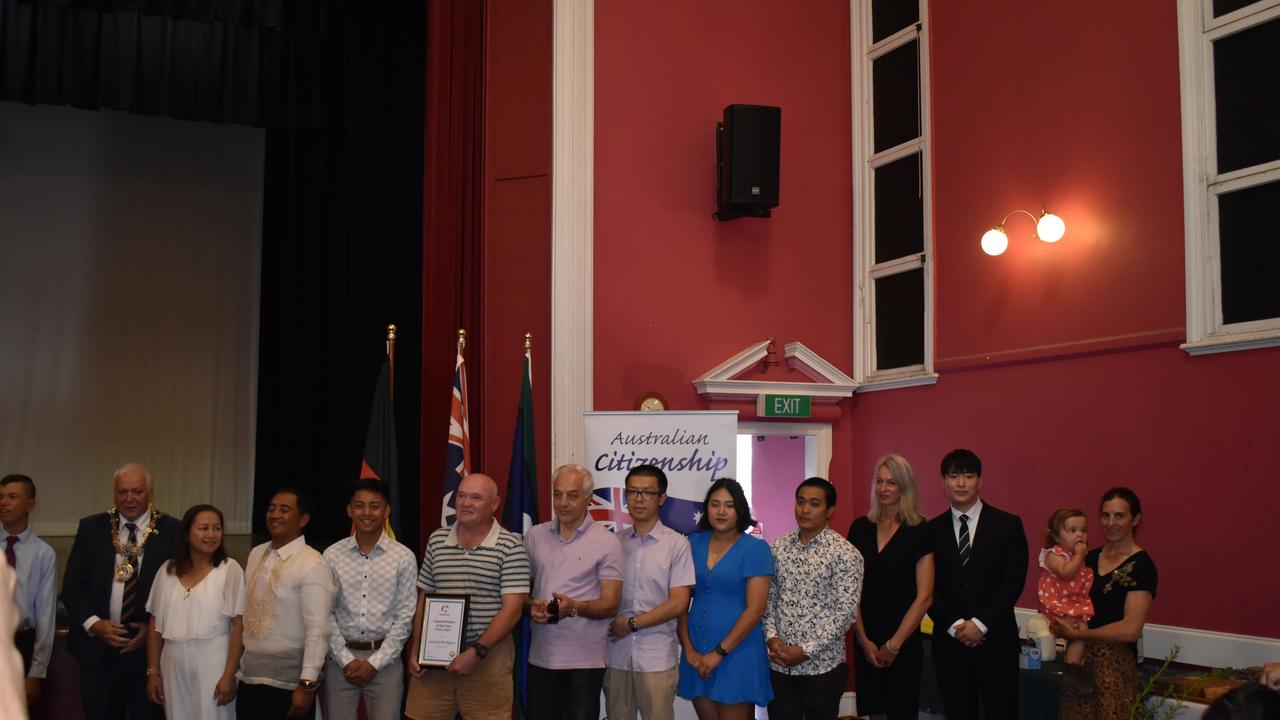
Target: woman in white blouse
{"points": [[195, 638]]}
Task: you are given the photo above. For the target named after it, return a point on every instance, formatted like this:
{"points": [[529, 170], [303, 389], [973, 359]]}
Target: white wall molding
{"points": [[1207, 648], [820, 431], [829, 384], [572, 215]]}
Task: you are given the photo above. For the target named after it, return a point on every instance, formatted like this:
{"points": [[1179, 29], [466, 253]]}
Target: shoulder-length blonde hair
{"points": [[909, 506]]}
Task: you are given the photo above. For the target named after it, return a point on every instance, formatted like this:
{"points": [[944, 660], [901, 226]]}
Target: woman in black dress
{"points": [[1124, 584], [896, 591]]}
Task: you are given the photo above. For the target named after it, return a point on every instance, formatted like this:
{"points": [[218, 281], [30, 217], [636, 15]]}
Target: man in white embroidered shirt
{"points": [[288, 596], [813, 601], [376, 578]]}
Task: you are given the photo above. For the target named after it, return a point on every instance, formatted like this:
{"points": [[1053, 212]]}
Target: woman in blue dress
{"points": [[724, 669]]}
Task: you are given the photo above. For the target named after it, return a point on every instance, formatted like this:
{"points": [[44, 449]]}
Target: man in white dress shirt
{"points": [[288, 596], [376, 578]]}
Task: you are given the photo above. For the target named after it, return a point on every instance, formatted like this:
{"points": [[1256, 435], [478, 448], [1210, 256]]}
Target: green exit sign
{"points": [[784, 406]]}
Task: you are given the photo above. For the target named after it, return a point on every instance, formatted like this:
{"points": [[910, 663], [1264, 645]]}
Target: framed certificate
{"points": [[444, 624]]}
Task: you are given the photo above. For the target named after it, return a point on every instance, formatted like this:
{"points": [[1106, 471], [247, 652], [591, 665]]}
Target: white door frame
{"points": [[820, 431]]}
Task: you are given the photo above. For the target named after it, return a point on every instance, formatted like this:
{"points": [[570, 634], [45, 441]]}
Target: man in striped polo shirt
{"points": [[477, 558]]}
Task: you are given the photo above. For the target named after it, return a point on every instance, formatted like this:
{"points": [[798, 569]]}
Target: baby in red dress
{"points": [[1064, 579]]}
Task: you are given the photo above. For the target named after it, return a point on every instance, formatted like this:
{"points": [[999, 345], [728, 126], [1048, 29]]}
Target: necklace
{"points": [[130, 551]]}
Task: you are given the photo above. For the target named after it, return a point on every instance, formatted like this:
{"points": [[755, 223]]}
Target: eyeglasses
{"points": [[646, 494]]}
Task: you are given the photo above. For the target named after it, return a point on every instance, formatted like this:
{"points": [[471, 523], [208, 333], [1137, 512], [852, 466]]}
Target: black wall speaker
{"points": [[748, 146]]}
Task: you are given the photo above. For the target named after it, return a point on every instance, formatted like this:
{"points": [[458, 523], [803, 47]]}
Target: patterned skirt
{"points": [[1113, 670]]}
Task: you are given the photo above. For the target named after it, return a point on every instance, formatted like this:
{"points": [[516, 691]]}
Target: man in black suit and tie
{"points": [[109, 572], [981, 556]]}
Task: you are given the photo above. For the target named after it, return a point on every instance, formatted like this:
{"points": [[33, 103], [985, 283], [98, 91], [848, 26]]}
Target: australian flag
{"points": [[458, 454]]}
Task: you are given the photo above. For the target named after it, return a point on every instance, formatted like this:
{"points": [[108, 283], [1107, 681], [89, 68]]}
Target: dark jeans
{"points": [[564, 694], [808, 697], [264, 702], [117, 688]]}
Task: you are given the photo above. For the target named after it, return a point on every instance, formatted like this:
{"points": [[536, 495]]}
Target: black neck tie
{"points": [[965, 548], [129, 605]]}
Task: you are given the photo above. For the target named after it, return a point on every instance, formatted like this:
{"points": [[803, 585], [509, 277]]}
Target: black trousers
{"points": [[25, 641], [985, 676], [808, 697], [117, 689], [564, 694], [264, 702]]}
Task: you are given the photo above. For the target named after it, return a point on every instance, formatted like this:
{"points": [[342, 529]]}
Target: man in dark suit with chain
{"points": [[981, 556], [112, 563]]}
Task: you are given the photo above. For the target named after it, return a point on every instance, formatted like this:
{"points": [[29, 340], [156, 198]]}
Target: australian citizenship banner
{"points": [[692, 448]]}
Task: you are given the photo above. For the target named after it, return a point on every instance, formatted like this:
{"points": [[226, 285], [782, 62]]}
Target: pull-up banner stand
{"points": [[692, 448]]}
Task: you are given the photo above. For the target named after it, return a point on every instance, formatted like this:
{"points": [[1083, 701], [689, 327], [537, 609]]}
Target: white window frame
{"points": [[1202, 184], [865, 161]]}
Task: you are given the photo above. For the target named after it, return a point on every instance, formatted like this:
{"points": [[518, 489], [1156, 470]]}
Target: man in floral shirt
{"points": [[813, 602]]}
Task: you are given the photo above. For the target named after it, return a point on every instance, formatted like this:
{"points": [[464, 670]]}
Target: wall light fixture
{"points": [[1049, 228]]}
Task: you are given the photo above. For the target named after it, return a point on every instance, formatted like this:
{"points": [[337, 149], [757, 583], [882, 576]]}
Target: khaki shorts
{"points": [[483, 695], [652, 694]]}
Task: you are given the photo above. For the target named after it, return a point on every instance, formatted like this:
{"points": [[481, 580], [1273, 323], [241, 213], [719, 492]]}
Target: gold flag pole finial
{"points": [[462, 339], [528, 340], [391, 358]]}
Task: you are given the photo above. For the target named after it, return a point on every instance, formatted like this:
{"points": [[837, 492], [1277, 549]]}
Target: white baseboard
{"points": [[1208, 648]]}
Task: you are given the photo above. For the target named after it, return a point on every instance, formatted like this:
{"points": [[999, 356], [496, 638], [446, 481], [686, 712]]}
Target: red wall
{"points": [[517, 242], [676, 293], [1058, 363]]}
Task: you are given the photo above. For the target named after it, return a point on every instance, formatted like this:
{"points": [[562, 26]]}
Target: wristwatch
{"points": [[721, 651], [631, 623], [481, 651], [309, 685]]}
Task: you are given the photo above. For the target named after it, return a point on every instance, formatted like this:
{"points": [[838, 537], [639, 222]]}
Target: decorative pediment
{"points": [[829, 384]]}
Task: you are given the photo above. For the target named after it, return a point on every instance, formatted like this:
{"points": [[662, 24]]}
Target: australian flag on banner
{"points": [[458, 455], [608, 507]]}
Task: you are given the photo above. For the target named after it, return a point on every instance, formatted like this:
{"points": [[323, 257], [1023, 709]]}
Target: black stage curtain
{"points": [[250, 62], [342, 258]]}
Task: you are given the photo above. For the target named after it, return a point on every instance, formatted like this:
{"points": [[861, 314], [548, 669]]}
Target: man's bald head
{"points": [[476, 501], [132, 490]]}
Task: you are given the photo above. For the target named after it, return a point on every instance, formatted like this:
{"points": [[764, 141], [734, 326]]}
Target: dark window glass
{"points": [[1245, 68], [899, 209], [890, 16], [1249, 254], [1222, 7], [895, 87], [900, 320]]}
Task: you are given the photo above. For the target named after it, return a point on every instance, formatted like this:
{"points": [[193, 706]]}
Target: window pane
{"points": [[899, 209], [890, 16], [1247, 103], [900, 320], [1222, 7], [895, 79], [1250, 255]]}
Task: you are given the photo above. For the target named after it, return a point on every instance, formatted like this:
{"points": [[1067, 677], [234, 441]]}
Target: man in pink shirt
{"points": [[658, 578], [577, 582]]}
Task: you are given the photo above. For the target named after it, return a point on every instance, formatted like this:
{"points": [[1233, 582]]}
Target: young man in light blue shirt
{"points": [[36, 567]]}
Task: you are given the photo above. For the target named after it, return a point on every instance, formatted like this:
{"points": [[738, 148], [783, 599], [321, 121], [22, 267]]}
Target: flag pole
{"points": [[462, 340], [391, 359]]}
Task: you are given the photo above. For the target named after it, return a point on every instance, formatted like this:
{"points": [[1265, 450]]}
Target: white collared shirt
{"points": [[973, 514], [295, 647], [117, 588]]}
